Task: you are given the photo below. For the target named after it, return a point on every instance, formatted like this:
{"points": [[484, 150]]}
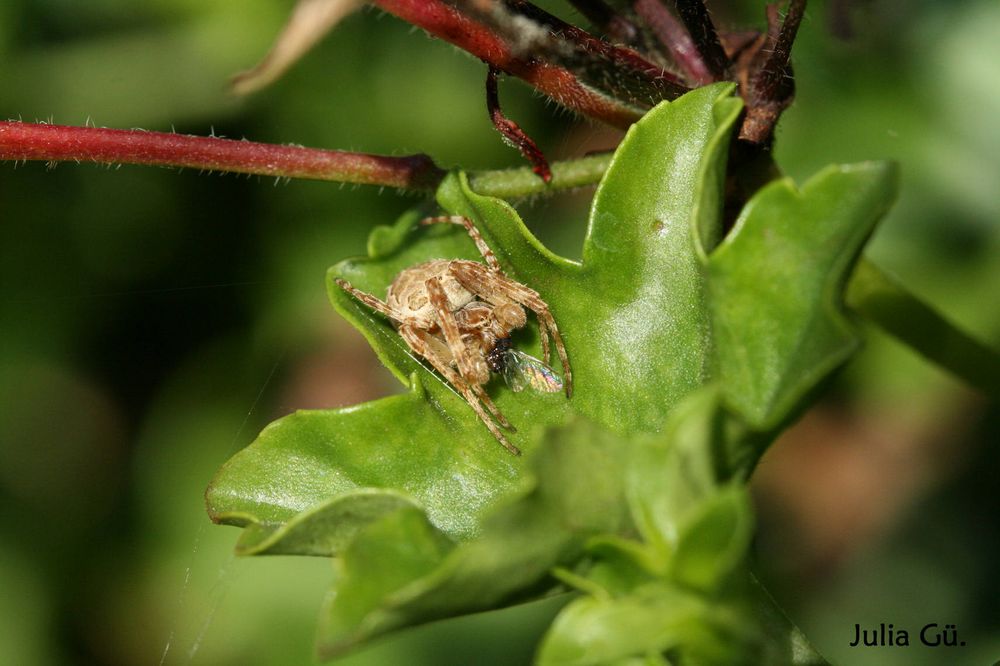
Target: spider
{"points": [[458, 315]]}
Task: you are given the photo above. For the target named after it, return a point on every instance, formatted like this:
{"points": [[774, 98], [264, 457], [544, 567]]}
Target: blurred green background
{"points": [[152, 321]]}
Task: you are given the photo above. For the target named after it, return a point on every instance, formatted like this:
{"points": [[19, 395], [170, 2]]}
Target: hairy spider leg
{"points": [[543, 333], [464, 355], [494, 410], [449, 328], [374, 303], [439, 347], [485, 283], [444, 355], [418, 341], [484, 249]]}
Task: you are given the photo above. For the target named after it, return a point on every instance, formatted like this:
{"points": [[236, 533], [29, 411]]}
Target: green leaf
{"points": [[308, 460], [387, 554], [685, 592], [431, 518], [324, 529], [660, 617], [654, 618], [713, 545], [632, 315], [786, 644], [575, 492], [777, 284], [641, 302], [668, 476], [614, 566], [695, 520], [657, 618]]}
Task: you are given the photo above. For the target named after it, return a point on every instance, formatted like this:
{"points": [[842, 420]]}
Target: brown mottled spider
{"points": [[459, 314]]}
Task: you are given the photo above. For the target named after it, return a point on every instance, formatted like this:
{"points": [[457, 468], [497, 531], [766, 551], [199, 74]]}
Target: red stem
{"points": [[675, 39], [53, 143], [622, 72], [512, 132], [445, 22]]}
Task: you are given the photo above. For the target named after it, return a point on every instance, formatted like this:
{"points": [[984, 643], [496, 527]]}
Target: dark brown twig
{"points": [[612, 23], [675, 39], [694, 15], [765, 74], [774, 79], [621, 72]]}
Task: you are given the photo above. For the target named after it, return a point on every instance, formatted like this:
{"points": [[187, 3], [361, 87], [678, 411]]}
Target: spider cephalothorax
{"points": [[459, 315]]}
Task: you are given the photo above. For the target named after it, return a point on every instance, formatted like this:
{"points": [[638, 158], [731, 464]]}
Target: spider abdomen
{"points": [[408, 292]]}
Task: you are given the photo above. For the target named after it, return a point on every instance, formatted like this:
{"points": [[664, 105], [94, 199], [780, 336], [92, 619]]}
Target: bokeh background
{"points": [[152, 321]]}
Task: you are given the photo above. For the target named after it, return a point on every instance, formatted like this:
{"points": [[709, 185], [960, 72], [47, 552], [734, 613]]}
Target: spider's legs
{"points": [[440, 356], [494, 267], [543, 334], [473, 370], [471, 367], [419, 342], [484, 249], [494, 410], [489, 285], [375, 304], [438, 347]]}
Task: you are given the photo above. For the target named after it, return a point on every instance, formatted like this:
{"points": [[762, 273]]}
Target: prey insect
{"points": [[520, 370], [458, 315]]}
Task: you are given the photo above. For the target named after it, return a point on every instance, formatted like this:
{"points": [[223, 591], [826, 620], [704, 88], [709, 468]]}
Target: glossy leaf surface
{"points": [[632, 489], [573, 492], [683, 588], [777, 284], [637, 344]]}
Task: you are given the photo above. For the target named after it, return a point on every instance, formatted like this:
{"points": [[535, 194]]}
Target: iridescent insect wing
{"points": [[521, 371], [511, 373]]}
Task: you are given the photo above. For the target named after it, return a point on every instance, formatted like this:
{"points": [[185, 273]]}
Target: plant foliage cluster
{"points": [[690, 351], [713, 302]]}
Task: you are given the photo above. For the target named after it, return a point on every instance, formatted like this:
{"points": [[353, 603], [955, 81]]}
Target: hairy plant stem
{"points": [[674, 40], [57, 143], [883, 301], [523, 182], [444, 21]]}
